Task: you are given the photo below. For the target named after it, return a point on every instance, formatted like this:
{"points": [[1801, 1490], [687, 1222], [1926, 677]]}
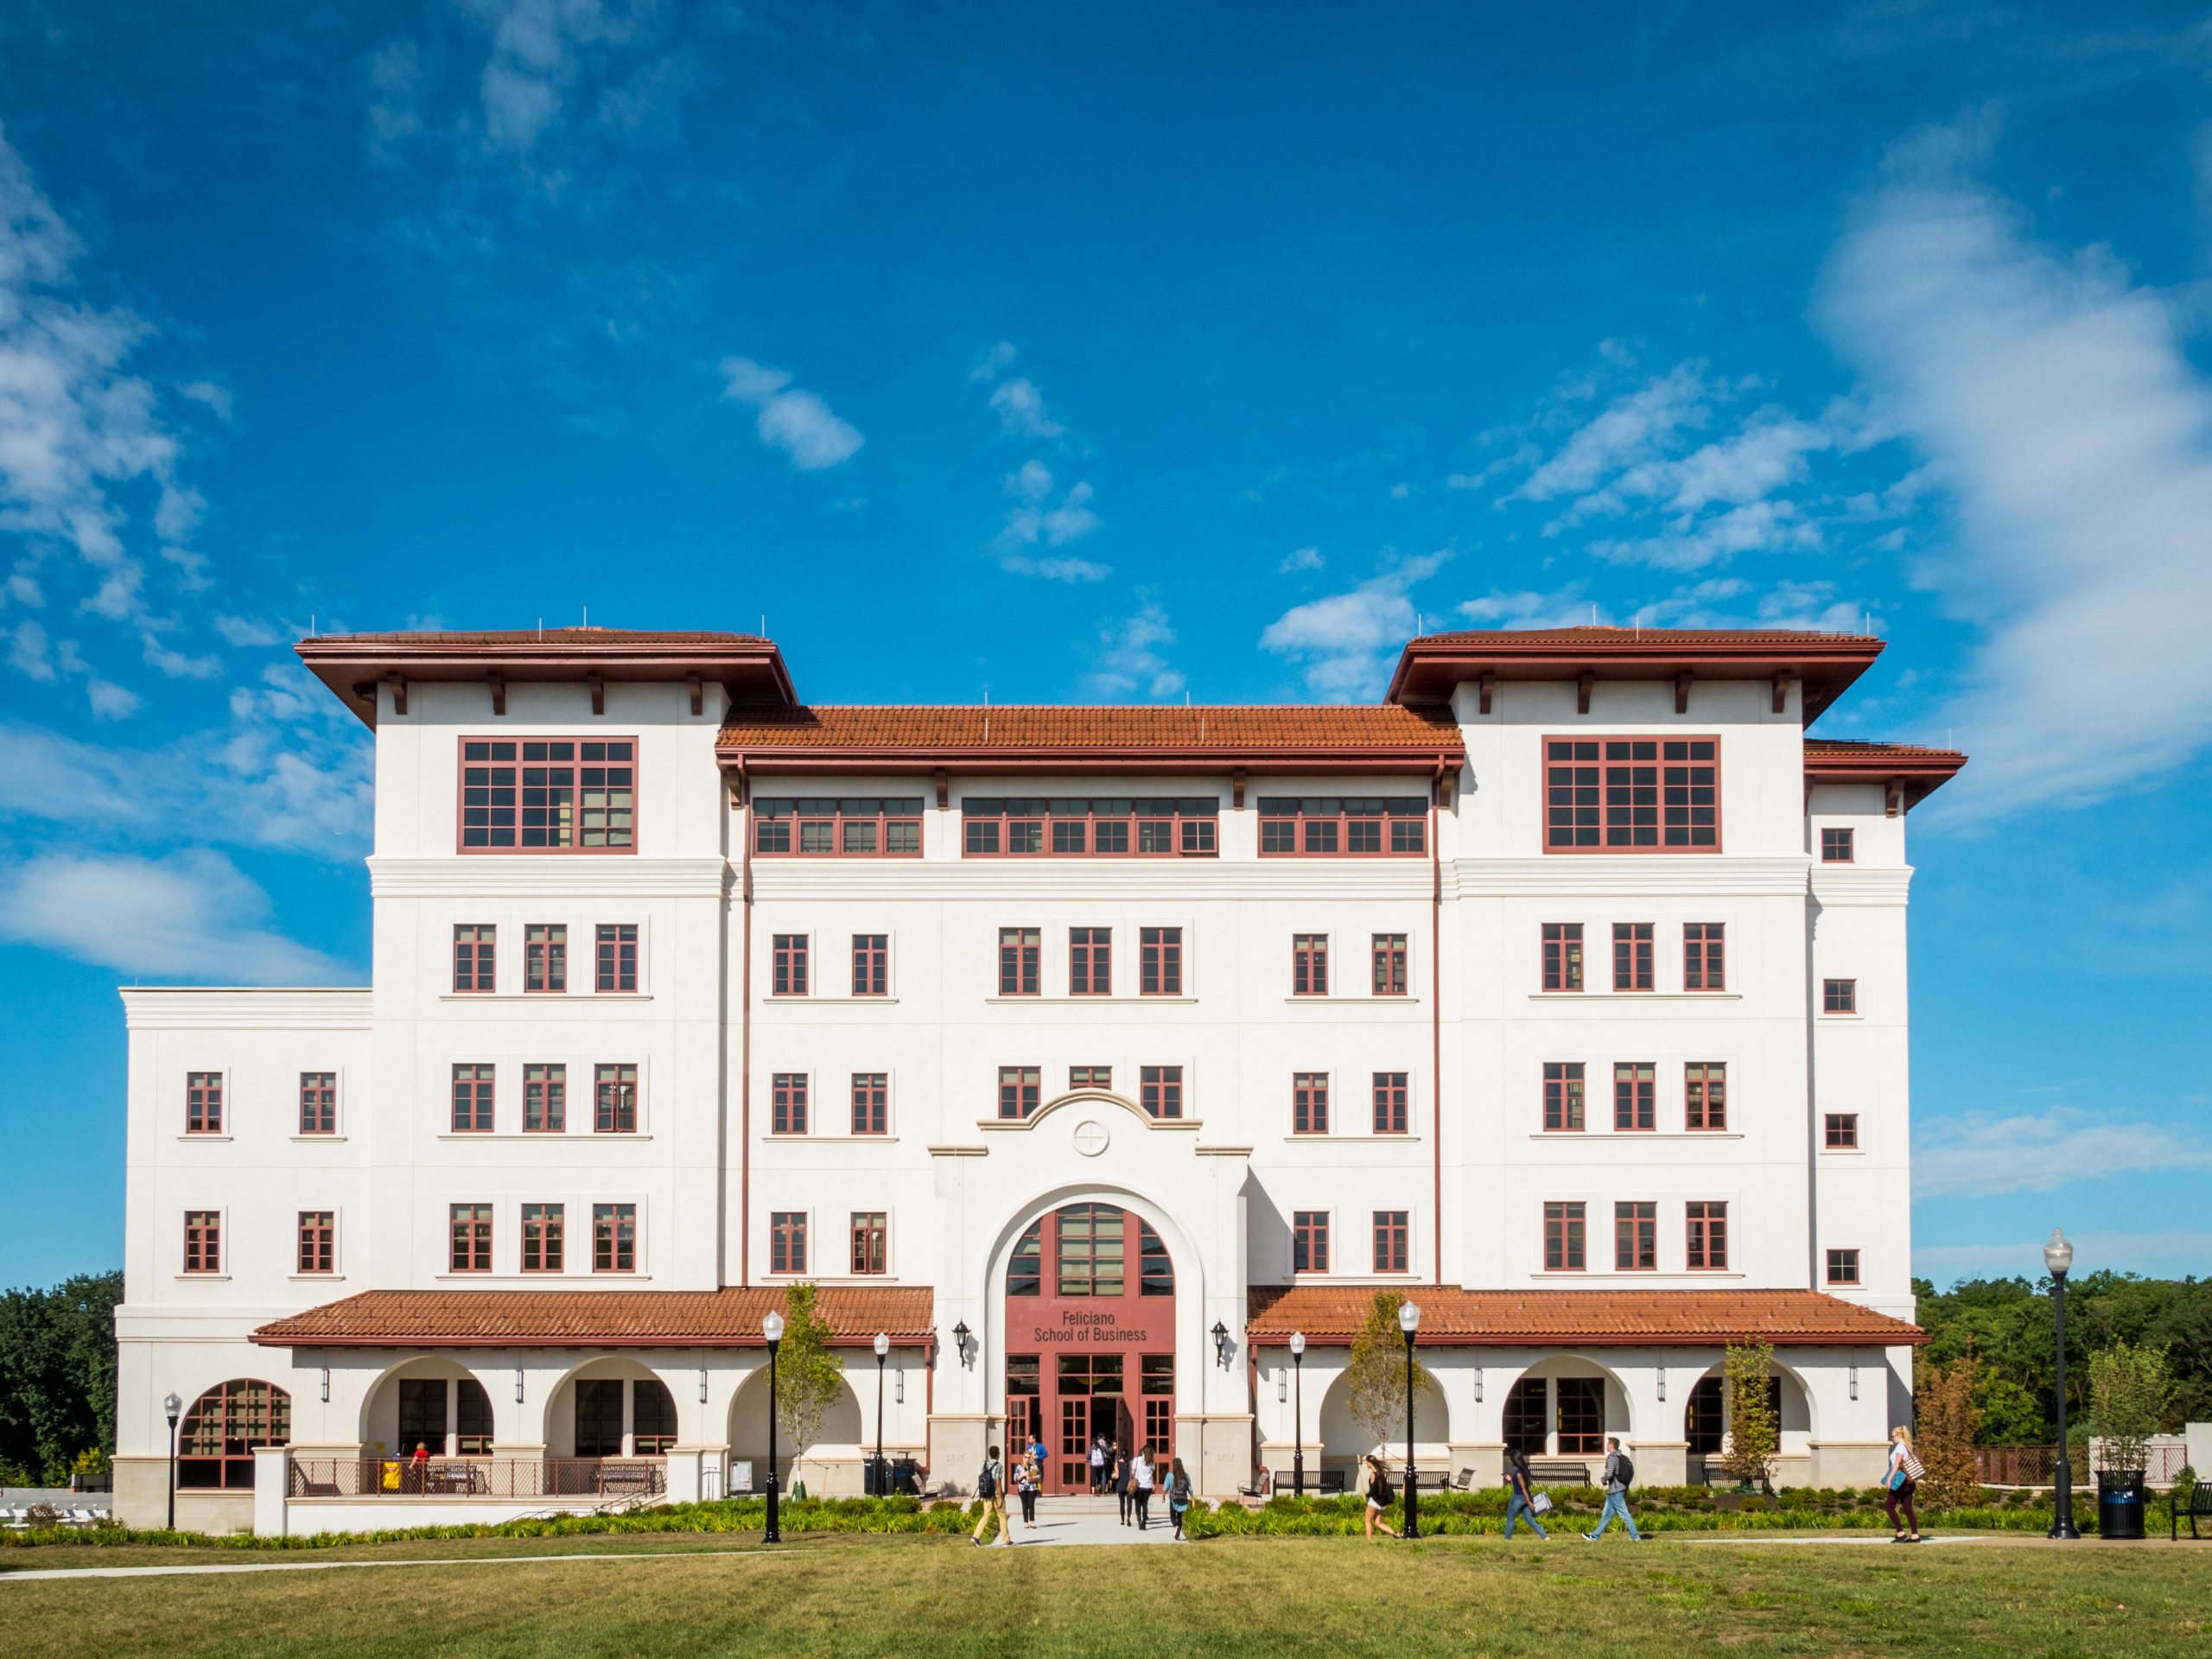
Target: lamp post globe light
{"points": [[175, 1409], [1298, 1412], [1409, 1322], [2059, 1261], [772, 1328], [881, 1487]]}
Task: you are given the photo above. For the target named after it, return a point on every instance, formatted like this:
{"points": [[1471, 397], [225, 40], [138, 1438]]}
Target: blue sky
{"points": [[1121, 351]]}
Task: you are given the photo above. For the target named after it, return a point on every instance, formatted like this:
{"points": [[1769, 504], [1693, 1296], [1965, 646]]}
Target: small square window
{"points": [[1843, 1266], [1839, 996], [1835, 847], [1842, 1131]]}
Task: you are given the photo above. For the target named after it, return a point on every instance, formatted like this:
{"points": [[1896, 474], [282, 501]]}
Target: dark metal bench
{"points": [[1557, 1471], [2197, 1503]]}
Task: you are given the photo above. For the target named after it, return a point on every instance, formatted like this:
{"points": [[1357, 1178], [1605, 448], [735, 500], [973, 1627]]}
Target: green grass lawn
{"points": [[850, 1594]]}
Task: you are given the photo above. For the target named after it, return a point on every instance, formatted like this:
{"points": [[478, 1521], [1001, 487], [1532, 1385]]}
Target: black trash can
{"points": [[2120, 1503], [877, 1481], [906, 1478]]}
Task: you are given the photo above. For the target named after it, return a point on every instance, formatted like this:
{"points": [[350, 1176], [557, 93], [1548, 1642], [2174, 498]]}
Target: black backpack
{"points": [[1628, 1471], [987, 1484]]}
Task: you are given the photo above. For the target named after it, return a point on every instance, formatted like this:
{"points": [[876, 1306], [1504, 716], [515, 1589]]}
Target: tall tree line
{"points": [[57, 1376]]}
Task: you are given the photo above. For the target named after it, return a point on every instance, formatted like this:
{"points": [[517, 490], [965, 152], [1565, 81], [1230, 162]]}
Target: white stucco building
{"points": [[1086, 1052]]}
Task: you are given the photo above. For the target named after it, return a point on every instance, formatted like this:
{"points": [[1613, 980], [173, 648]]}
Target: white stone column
{"points": [[272, 1475]]}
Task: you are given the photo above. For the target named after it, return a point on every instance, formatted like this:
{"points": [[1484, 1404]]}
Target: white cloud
{"points": [[2059, 408], [1130, 658], [2177, 1252], [1020, 408], [193, 916], [26, 651], [111, 701], [988, 366], [1070, 520], [211, 396], [1303, 558], [1632, 429], [1347, 642], [534, 59], [1066, 568], [1032, 483], [1564, 609], [796, 422], [177, 665], [1754, 527], [1981, 1156], [245, 630]]}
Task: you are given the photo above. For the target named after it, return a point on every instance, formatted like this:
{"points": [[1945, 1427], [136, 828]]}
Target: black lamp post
{"points": [[175, 1407], [1409, 1322], [882, 1353], [2058, 1258], [1298, 1412], [773, 1329]]}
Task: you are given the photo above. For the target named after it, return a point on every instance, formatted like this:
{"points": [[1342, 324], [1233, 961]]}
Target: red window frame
{"points": [[871, 964], [318, 1102], [544, 1097], [614, 1238], [203, 1240], [837, 826], [1309, 1241], [1343, 826], [614, 1097], [203, 1103], [1840, 1132], [1704, 1094], [545, 956], [871, 1236], [1091, 961], [1563, 960], [1309, 1103], [617, 958], [1632, 794], [1705, 1231], [223, 1429], [1843, 1266], [994, 826], [1838, 845], [1566, 1097], [475, 958], [1392, 1247], [1020, 958], [1636, 1096], [1565, 1237], [787, 1241], [475, 1088], [788, 955], [871, 1102], [468, 1239], [548, 795], [1632, 957], [1020, 1092], [1160, 962], [1390, 963], [787, 1103], [543, 1236], [1839, 996], [1636, 1236], [1309, 964], [1160, 1091], [1391, 1091], [1705, 956], [1090, 1077], [318, 1241]]}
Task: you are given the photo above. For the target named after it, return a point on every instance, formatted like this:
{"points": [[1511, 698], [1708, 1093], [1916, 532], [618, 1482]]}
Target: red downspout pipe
{"points": [[1436, 1012], [745, 1043]]}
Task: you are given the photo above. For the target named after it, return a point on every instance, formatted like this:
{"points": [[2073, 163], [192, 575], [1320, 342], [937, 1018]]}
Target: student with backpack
{"points": [[1521, 1503], [990, 1489], [1379, 1496], [1141, 1476], [1117, 1477], [1179, 1496], [1620, 1474], [1899, 1485]]}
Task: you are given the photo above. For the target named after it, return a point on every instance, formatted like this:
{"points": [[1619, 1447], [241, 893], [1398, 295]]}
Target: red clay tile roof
{"points": [[1919, 771], [1609, 638], [593, 1319], [1365, 734], [1582, 1318], [543, 636]]}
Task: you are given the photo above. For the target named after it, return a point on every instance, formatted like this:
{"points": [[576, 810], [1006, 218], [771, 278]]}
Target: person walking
{"points": [[1179, 1496], [1140, 1480], [1098, 1465], [1620, 1474], [1900, 1484], [1379, 1496], [1521, 1503], [1024, 1486], [990, 1489], [1117, 1477]]}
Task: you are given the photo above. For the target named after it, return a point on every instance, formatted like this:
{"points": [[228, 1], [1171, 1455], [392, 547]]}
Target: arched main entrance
{"points": [[1091, 1338]]}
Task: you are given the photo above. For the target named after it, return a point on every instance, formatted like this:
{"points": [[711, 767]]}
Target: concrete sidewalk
{"points": [[1087, 1521]]}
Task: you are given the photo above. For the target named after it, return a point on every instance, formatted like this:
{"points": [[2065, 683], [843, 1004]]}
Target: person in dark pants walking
{"points": [[1521, 1503], [1099, 1460], [1118, 1478], [1899, 1485], [1024, 1486], [1179, 1496], [1140, 1480]]}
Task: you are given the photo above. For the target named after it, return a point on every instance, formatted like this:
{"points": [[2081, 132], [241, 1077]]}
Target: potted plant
{"points": [[2129, 1391]]}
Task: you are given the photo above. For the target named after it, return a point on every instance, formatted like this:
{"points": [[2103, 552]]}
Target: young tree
{"points": [[1377, 1378], [2130, 1389], [808, 1371], [57, 1375], [1948, 1423], [1754, 1423]]}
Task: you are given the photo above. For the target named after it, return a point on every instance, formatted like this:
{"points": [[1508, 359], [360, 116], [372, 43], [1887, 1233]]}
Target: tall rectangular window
{"points": [[203, 1103], [544, 1226], [1309, 1103], [469, 1230], [1563, 1238], [1160, 1091], [787, 1103], [1562, 956], [1391, 1248], [1839, 996], [787, 1241], [871, 1102], [1705, 1095], [1705, 966], [1019, 948], [1842, 1131], [1563, 1096], [790, 964], [1090, 961], [318, 1250], [614, 1099], [1390, 1102], [318, 1102], [1836, 847], [1018, 1090], [1309, 964], [1843, 1266], [471, 1099], [617, 951], [1635, 1236], [871, 1242], [567, 795], [1309, 1241], [544, 1099], [1160, 961], [1389, 964], [1631, 956], [545, 956], [203, 1240], [1633, 795], [475, 955], [871, 964], [1636, 1104], [1706, 1235], [614, 1238]]}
